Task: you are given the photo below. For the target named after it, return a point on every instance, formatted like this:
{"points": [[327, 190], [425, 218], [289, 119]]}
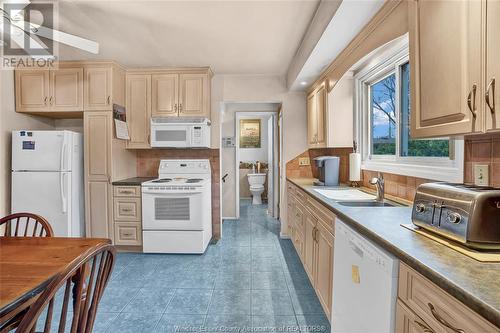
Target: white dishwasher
{"points": [[365, 283]]}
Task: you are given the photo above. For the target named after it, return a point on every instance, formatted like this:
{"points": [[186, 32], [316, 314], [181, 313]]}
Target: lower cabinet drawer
{"points": [[128, 233], [409, 322], [127, 191], [127, 209], [436, 307]]}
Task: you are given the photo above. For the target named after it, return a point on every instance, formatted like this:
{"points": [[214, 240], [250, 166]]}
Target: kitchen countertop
{"points": [[135, 181], [474, 283]]}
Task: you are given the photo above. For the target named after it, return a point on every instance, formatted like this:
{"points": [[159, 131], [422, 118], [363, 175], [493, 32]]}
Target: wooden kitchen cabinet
{"points": [[313, 239], [139, 110], [446, 67], [194, 95], [316, 117], [54, 93], [492, 92], [310, 222], [97, 214], [434, 307], [98, 88], [32, 90], [127, 215], [66, 86], [408, 322], [106, 159], [324, 267], [97, 127], [97, 130], [104, 86], [165, 95]]}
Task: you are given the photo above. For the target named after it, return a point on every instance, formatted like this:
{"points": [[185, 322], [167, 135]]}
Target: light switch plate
{"points": [[481, 175], [304, 161]]}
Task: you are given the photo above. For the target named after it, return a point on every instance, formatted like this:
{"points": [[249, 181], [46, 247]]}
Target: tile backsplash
{"points": [[148, 161], [485, 150]]}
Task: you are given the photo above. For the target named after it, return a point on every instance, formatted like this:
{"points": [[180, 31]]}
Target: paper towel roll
{"points": [[355, 167]]}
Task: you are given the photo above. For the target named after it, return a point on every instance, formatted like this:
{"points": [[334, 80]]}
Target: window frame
{"points": [[434, 168]]}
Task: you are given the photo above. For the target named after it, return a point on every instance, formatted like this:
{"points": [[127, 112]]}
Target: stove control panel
{"points": [[184, 167]]}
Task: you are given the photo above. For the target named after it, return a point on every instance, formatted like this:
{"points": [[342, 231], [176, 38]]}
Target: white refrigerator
{"points": [[47, 178]]}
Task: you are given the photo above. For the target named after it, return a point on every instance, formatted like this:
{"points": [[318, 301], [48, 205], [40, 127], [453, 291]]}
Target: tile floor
{"points": [[250, 279]]}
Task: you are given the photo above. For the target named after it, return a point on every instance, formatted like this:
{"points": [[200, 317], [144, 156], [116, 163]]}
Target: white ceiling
{"points": [[232, 37]]}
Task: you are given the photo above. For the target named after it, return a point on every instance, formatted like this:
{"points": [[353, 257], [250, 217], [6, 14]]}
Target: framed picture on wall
{"points": [[250, 133]]}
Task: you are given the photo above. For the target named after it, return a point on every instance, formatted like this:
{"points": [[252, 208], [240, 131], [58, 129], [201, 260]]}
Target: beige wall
{"points": [[10, 120]]}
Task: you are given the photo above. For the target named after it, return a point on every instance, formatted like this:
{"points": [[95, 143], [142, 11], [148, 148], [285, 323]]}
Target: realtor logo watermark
{"points": [[22, 43]]}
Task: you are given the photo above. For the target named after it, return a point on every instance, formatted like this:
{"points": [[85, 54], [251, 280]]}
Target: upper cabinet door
{"points": [[165, 95], [98, 82], [194, 95], [321, 116], [66, 89], [312, 120], [446, 63], [32, 90], [492, 93], [97, 131], [139, 110]]}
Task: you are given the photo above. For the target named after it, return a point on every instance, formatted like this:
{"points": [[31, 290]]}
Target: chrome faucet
{"points": [[380, 184]]}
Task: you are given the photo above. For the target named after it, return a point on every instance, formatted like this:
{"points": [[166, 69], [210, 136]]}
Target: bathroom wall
{"points": [[148, 161], [251, 155]]}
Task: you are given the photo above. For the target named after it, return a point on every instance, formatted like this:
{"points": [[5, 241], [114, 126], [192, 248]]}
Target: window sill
{"points": [[450, 173]]}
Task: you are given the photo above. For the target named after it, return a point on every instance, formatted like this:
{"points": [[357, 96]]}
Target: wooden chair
{"points": [[26, 225], [86, 278]]}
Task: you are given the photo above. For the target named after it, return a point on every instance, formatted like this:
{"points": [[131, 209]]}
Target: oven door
{"points": [[174, 136], [172, 211]]}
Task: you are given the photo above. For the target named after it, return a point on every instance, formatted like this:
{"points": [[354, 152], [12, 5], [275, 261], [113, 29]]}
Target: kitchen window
{"points": [[383, 115]]}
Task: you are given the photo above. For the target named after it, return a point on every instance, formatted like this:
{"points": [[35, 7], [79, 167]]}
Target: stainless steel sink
{"points": [[368, 204]]}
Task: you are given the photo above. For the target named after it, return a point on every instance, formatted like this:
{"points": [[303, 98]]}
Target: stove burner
{"points": [[194, 180], [162, 180]]}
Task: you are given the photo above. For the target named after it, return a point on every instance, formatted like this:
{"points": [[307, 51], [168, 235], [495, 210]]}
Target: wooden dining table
{"points": [[28, 265]]}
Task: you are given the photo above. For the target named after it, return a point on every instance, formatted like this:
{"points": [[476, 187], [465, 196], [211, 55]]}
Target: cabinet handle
{"points": [[424, 327], [50, 100], [45, 101], [491, 88], [126, 210], [175, 107], [471, 100], [312, 234], [180, 107], [126, 192], [108, 100], [442, 321]]}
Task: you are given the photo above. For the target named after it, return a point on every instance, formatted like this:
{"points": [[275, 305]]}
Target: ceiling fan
{"points": [[19, 30]]}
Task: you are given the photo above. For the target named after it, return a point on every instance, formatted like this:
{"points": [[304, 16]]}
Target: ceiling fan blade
{"points": [[19, 39], [59, 36]]}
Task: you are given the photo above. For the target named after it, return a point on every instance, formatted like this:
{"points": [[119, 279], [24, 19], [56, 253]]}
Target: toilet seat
{"points": [[256, 187]]}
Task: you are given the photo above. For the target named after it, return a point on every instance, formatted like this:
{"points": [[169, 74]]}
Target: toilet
{"points": [[256, 181]]}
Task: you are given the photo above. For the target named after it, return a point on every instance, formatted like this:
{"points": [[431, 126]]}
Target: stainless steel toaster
{"points": [[467, 214]]}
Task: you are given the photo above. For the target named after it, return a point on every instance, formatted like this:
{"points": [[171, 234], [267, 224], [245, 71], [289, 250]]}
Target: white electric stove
{"points": [[177, 208]]}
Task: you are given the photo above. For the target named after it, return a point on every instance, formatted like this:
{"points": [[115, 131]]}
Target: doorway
{"points": [[250, 139]]}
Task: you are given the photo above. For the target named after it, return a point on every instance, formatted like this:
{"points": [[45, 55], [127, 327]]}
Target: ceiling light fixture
{"points": [[303, 83]]}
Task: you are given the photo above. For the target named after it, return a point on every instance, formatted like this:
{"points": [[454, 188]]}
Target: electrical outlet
{"points": [[481, 175], [304, 161]]}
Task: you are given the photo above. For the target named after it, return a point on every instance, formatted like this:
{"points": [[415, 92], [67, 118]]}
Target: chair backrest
{"points": [[84, 280], [25, 225]]}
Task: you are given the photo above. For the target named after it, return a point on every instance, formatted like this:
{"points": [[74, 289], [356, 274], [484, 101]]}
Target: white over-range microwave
{"points": [[180, 132]]}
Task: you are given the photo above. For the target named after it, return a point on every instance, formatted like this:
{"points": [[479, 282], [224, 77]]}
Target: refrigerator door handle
{"points": [[64, 199], [63, 155]]}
